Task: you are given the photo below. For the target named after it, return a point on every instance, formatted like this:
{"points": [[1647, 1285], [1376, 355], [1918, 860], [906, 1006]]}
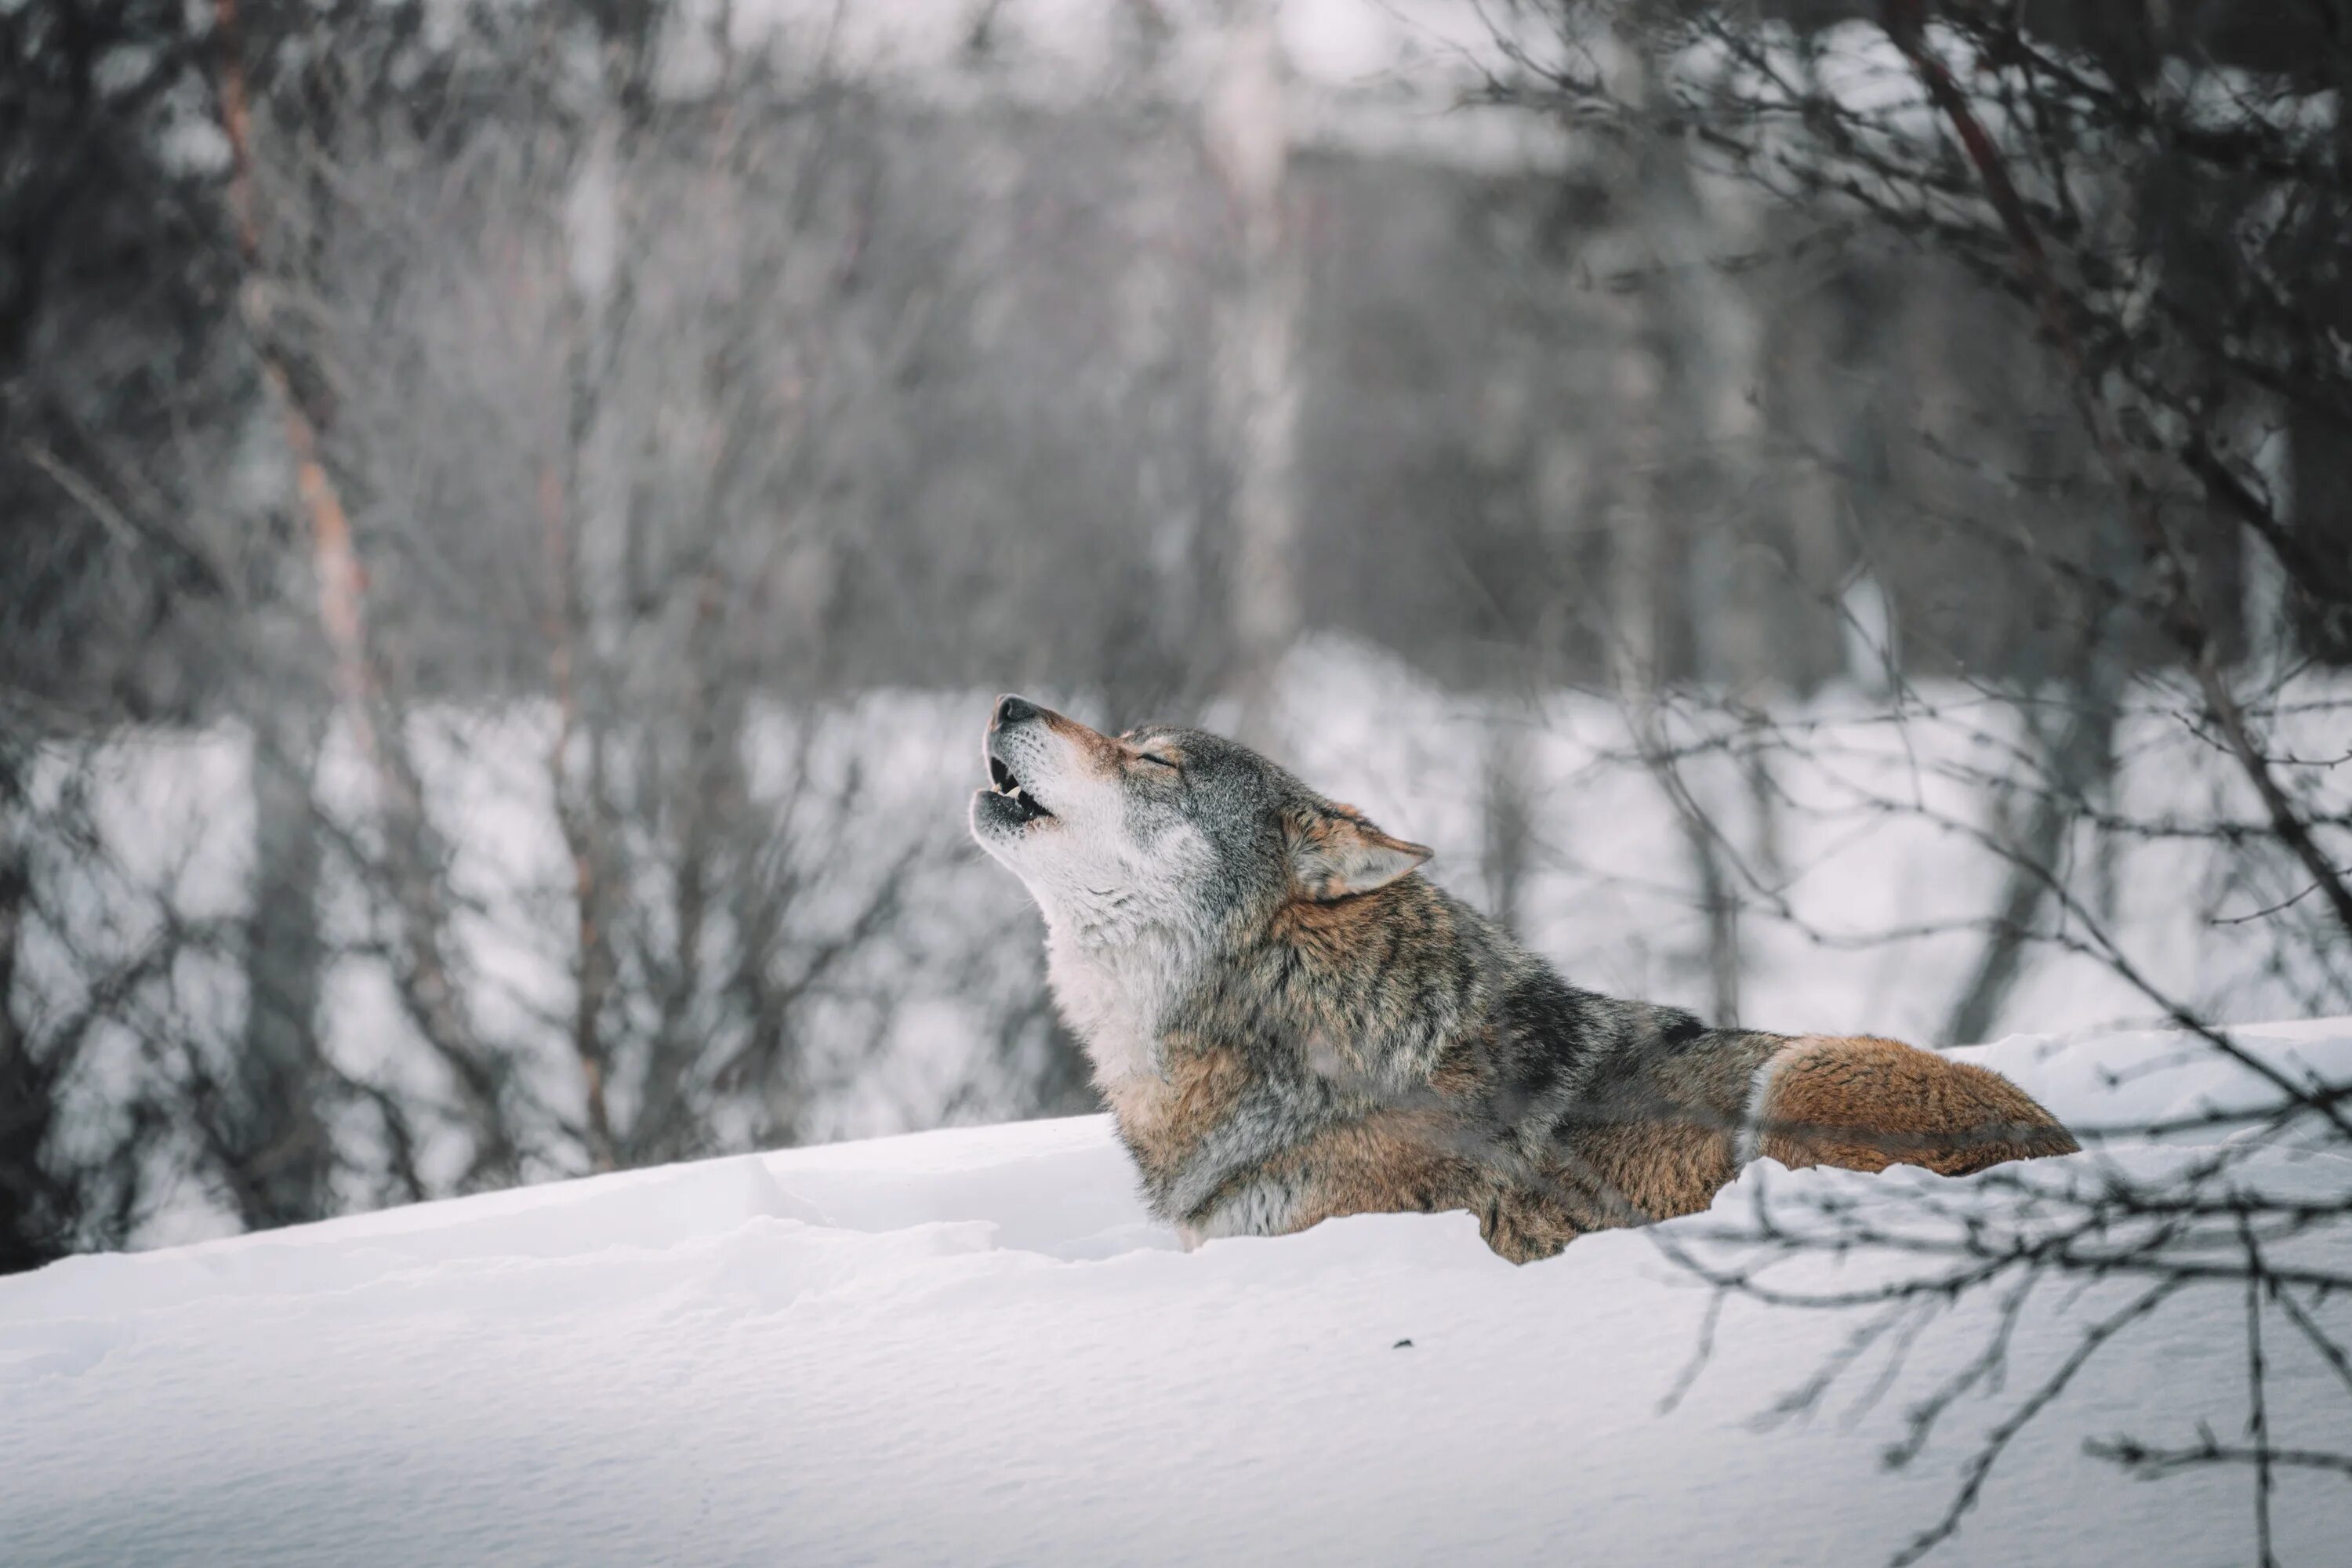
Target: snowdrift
{"points": [[972, 1346]]}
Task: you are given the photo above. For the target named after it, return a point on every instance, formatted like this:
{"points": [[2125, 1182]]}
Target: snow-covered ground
{"points": [[971, 1347]]}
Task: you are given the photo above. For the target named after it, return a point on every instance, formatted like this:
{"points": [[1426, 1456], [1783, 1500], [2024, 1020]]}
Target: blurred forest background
{"points": [[510, 514]]}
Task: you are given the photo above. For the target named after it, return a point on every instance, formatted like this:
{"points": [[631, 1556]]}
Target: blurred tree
{"points": [[115, 405]]}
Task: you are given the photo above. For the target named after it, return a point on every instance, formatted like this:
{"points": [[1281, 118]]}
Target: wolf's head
{"points": [[1165, 828]]}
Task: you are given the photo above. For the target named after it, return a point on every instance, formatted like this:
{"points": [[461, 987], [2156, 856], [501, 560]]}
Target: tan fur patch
{"points": [[1626, 1174], [1164, 1120], [1667, 1147], [1102, 753], [1339, 934], [1865, 1103], [1661, 1168], [1525, 1226], [1388, 1162]]}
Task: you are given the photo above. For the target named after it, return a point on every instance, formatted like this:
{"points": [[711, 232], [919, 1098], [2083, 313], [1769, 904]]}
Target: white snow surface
{"points": [[972, 1346]]}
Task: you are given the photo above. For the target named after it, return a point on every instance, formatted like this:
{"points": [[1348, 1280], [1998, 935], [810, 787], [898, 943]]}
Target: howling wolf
{"points": [[1289, 1022]]}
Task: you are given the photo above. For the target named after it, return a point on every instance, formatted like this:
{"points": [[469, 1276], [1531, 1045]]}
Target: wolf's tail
{"points": [[1865, 1103]]}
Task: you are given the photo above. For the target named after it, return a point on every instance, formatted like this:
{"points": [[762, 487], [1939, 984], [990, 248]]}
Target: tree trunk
{"points": [[29, 1228], [1257, 362], [423, 972], [1507, 828], [273, 1131], [1663, 420], [2078, 762]]}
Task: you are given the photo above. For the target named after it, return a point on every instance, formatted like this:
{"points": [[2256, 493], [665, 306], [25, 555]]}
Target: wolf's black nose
{"points": [[1012, 710]]}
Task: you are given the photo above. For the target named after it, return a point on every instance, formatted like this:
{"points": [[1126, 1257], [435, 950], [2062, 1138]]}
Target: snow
{"points": [[972, 1346]]}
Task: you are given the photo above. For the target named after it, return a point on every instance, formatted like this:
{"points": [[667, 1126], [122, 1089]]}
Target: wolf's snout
{"points": [[1011, 753]]}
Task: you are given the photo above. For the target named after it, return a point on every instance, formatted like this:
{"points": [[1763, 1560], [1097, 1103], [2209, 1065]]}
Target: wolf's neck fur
{"points": [[1379, 1022], [1117, 993]]}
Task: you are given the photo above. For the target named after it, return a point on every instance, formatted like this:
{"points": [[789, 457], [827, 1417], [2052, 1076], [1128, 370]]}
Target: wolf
{"points": [[1290, 1023]]}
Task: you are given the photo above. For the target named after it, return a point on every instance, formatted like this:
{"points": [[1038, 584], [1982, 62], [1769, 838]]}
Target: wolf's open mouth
{"points": [[1001, 778]]}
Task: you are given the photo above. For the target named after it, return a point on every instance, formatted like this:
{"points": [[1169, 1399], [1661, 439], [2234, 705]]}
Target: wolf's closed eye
{"points": [[1156, 757]]}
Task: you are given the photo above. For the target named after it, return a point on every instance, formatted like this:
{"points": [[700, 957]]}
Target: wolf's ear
{"points": [[1334, 852]]}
